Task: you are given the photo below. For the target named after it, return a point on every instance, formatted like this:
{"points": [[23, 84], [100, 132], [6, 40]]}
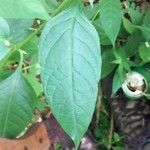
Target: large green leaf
{"points": [[16, 105], [71, 62], [22, 9], [110, 18], [131, 48]]}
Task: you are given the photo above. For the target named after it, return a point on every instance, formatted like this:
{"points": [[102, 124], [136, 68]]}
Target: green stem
{"points": [[99, 103]]}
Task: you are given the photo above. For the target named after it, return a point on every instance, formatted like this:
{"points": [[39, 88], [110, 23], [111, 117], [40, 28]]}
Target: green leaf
{"points": [[144, 30], [146, 24], [121, 58], [70, 60], [104, 39], [116, 137], [134, 12], [118, 79], [36, 85], [144, 52], [4, 33], [16, 105], [107, 66], [110, 18], [131, 48], [128, 25], [116, 83], [22, 9]]}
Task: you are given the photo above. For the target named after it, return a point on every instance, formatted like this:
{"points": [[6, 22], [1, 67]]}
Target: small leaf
{"points": [[104, 38], [22, 9], [110, 18], [118, 79], [134, 12], [128, 25], [131, 48], [144, 52], [71, 66], [121, 58], [116, 137], [107, 66], [145, 30], [16, 105]]}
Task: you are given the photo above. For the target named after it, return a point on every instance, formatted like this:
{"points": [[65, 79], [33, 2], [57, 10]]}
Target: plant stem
{"points": [[99, 103], [110, 136]]}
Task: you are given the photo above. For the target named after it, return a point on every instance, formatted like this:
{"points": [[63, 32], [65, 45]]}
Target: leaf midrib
{"points": [[72, 61]]}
